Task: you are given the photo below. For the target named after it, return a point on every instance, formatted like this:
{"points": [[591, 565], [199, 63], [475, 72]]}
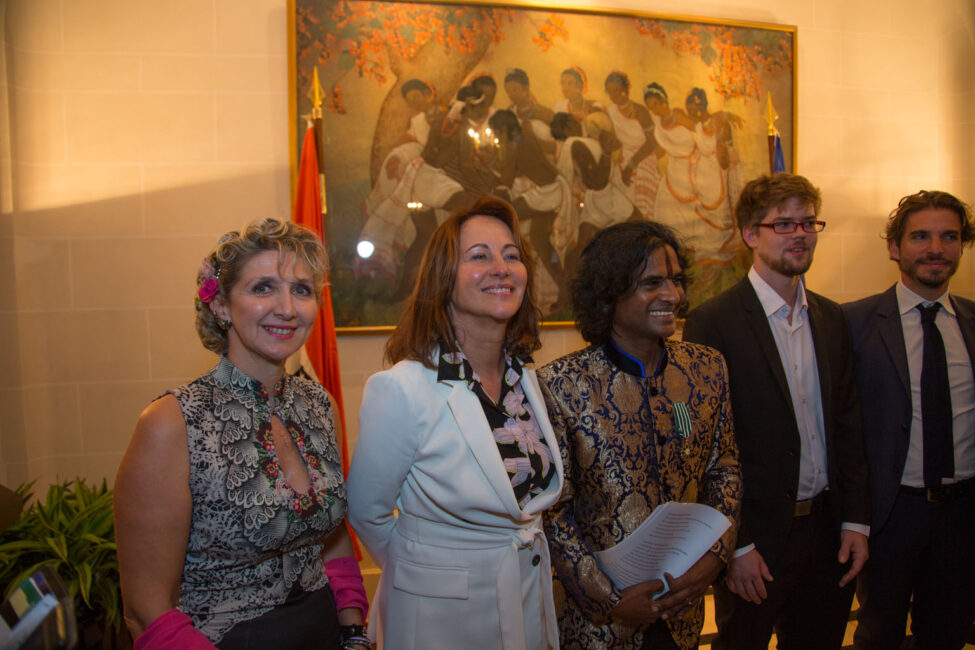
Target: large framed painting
{"points": [[580, 119]]}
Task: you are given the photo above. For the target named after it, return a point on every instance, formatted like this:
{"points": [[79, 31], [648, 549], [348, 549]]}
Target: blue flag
{"points": [[778, 159]]}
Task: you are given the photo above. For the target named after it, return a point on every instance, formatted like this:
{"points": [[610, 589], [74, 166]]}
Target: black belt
{"points": [[806, 507], [947, 492]]}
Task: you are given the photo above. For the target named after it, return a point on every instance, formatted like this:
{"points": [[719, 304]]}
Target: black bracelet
{"points": [[349, 632]]}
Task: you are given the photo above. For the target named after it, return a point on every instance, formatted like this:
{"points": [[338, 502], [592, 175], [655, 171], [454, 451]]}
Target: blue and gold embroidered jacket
{"points": [[630, 441]]}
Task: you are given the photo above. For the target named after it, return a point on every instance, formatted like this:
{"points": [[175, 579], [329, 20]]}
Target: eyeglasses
{"points": [[789, 227]]}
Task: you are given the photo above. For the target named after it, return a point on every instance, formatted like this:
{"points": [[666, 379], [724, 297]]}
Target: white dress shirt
{"points": [[960, 378], [793, 338]]}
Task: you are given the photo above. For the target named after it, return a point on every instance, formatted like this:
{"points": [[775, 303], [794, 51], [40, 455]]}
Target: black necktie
{"points": [[939, 452]]}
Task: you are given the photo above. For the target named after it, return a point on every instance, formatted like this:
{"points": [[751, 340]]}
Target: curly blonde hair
{"points": [[235, 249]]}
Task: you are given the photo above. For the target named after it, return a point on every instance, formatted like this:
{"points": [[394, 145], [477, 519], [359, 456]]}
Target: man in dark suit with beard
{"points": [[914, 350], [805, 512]]}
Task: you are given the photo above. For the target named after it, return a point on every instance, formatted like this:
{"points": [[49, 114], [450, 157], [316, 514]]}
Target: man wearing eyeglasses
{"points": [[805, 512], [913, 353]]}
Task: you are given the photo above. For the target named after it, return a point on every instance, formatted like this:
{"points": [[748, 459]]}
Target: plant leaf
{"points": [[84, 581], [59, 546]]}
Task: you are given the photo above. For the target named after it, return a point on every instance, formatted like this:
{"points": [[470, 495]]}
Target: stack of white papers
{"points": [[671, 540]]}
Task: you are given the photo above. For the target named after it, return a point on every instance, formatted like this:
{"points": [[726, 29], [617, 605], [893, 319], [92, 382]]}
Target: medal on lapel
{"points": [[682, 425]]}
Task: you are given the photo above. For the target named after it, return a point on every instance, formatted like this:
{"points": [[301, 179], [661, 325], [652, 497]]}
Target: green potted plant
{"points": [[72, 530]]}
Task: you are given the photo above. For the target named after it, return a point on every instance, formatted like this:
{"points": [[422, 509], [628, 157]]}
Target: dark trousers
{"points": [[805, 605], [925, 551], [305, 621], [657, 637]]}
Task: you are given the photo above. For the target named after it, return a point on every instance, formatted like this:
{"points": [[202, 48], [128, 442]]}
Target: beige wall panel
{"points": [[888, 62], [34, 24], [824, 100], [9, 350], [907, 20], [93, 467], [557, 342], [102, 26], [959, 76], [79, 346], [214, 73], [38, 127], [44, 471], [52, 71], [822, 146], [826, 274], [139, 26], [43, 273], [352, 397], [361, 353], [197, 199], [109, 412], [13, 443], [125, 128], [238, 32], [183, 26], [252, 127], [13, 474], [867, 265], [176, 354], [849, 201], [820, 58], [917, 108], [964, 281], [8, 270], [251, 74], [178, 72], [78, 200], [843, 15], [136, 272], [51, 419]]}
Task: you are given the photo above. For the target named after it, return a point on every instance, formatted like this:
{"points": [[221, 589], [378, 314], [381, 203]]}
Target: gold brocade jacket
{"points": [[625, 453]]}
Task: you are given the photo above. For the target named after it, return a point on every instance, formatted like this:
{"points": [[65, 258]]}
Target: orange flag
{"points": [[322, 346]]}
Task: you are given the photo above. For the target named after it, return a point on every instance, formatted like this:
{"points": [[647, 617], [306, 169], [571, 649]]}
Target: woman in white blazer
{"points": [[456, 458]]}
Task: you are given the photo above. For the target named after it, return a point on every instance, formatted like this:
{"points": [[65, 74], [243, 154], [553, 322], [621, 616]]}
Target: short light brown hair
{"points": [[930, 199], [425, 324], [235, 249], [762, 194]]}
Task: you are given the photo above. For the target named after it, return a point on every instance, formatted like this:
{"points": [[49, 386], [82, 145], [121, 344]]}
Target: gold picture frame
{"points": [[364, 53]]}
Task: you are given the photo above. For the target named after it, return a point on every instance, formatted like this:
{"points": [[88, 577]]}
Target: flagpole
{"points": [[321, 348], [770, 117]]}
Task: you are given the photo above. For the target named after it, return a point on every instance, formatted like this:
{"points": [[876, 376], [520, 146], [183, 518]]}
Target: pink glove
{"points": [[345, 578], [174, 629]]}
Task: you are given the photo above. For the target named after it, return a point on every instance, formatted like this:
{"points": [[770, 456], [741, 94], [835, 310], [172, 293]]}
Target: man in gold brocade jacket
{"points": [[641, 420]]}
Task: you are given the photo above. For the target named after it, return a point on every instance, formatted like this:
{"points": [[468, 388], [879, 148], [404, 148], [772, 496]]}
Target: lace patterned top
{"points": [[252, 538], [524, 453]]}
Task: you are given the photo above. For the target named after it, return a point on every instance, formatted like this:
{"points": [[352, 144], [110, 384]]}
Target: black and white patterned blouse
{"points": [[252, 537], [524, 453]]}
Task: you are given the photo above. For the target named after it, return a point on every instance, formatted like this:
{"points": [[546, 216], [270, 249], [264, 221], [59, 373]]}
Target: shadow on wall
{"points": [[97, 315]]}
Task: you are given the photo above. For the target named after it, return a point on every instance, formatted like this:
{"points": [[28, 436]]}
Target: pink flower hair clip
{"points": [[208, 279]]}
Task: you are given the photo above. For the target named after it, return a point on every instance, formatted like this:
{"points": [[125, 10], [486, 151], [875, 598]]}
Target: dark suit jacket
{"points": [[884, 384], [765, 423]]}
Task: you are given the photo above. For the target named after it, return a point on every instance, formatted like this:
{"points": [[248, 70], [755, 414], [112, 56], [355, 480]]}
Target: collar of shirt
{"points": [[771, 301], [630, 364], [908, 300]]}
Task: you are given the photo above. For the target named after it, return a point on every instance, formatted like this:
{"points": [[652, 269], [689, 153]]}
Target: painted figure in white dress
{"points": [[633, 127]]}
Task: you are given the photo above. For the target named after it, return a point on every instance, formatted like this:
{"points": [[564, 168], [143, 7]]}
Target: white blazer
{"points": [[463, 565]]}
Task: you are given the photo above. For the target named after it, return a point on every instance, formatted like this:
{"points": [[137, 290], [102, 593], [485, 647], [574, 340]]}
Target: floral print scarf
{"points": [[526, 456]]}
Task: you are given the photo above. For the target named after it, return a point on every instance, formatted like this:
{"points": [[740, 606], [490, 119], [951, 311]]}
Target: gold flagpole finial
{"points": [[317, 95], [771, 116]]}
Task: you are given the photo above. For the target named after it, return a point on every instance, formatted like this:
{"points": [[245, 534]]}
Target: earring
{"points": [[224, 324]]}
